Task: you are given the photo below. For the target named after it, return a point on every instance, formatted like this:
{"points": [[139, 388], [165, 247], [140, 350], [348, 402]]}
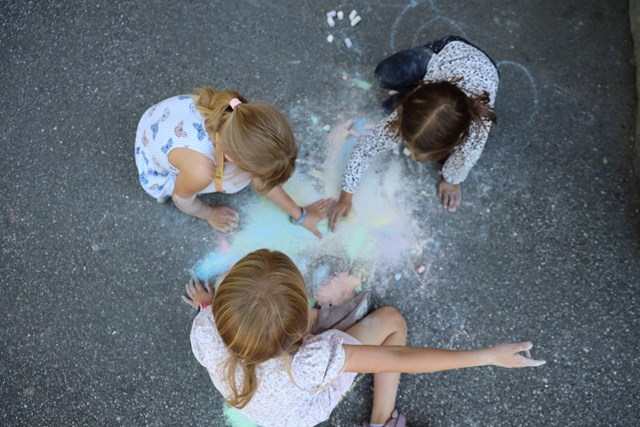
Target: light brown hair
{"points": [[435, 118], [255, 135], [261, 312]]}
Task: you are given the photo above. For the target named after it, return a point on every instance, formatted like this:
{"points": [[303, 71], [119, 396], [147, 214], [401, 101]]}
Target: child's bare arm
{"points": [[314, 212], [195, 175], [373, 359]]}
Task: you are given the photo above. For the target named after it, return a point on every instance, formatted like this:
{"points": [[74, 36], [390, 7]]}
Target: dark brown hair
{"points": [[435, 118]]}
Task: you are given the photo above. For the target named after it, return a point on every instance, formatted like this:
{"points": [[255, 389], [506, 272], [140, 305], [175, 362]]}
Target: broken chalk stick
{"points": [[340, 15], [397, 276], [355, 133], [326, 128], [331, 22], [347, 41], [330, 38], [347, 125], [353, 14], [355, 21], [331, 14], [421, 269], [406, 152]]}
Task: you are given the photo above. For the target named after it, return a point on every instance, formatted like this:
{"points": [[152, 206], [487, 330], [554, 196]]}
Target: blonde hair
{"points": [[255, 135], [261, 312]]}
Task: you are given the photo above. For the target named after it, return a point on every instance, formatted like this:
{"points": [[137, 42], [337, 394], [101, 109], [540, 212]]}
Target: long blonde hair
{"points": [[255, 135], [261, 312]]}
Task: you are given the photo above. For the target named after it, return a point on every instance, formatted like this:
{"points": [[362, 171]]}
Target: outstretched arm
{"points": [[374, 359]]}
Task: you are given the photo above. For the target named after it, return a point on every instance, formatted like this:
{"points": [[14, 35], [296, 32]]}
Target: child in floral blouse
{"points": [[253, 337], [442, 109]]}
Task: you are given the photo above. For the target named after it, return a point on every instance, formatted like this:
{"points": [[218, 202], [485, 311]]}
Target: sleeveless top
{"points": [[176, 123]]}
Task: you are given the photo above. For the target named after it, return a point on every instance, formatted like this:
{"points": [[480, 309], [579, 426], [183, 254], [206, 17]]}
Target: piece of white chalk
{"points": [[340, 15], [331, 22], [330, 38], [406, 152], [352, 14], [355, 21], [331, 14], [347, 41]]}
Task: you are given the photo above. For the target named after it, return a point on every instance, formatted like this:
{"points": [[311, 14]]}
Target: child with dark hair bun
{"points": [[253, 335], [441, 107]]}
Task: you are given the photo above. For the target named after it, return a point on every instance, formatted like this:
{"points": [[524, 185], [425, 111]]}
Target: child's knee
{"points": [[392, 315]]}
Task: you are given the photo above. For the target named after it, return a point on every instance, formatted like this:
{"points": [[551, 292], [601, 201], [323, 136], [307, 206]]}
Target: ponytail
{"points": [[254, 135], [214, 106]]}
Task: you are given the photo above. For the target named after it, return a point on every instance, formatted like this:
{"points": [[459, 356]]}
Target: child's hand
{"points": [[451, 195], [315, 213], [223, 218], [196, 294], [514, 356], [340, 210]]}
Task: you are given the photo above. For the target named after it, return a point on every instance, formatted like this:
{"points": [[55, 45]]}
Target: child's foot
{"points": [[398, 419], [344, 316]]}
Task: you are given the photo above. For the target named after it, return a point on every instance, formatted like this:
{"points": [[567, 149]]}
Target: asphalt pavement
{"points": [[543, 248]]}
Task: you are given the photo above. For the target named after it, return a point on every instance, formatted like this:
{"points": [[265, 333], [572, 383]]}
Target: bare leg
{"points": [[385, 326]]}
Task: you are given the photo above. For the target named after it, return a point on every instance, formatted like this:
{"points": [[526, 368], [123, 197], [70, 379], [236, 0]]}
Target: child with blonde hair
{"points": [[219, 142], [253, 337]]}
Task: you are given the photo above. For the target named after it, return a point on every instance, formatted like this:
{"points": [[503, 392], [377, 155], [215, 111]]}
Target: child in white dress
{"points": [[218, 142]]}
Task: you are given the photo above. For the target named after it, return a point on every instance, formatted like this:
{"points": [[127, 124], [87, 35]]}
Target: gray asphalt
{"points": [[544, 247]]}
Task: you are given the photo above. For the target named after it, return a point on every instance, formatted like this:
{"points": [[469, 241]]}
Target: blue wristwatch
{"points": [[299, 220]]}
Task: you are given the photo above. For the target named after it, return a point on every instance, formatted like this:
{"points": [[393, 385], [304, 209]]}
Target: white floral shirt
{"points": [[306, 398], [470, 70]]}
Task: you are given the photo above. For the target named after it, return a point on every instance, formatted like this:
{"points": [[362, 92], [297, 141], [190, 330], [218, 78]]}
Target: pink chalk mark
{"points": [[340, 289], [223, 244]]}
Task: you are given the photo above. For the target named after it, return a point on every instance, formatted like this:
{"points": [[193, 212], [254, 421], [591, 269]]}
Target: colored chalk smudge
{"points": [[361, 84], [340, 289], [378, 235], [234, 418]]}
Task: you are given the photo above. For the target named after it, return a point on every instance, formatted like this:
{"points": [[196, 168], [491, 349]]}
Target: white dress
{"points": [[176, 123]]}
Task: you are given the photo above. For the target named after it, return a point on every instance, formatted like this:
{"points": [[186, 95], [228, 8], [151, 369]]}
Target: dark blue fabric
{"points": [[403, 70]]}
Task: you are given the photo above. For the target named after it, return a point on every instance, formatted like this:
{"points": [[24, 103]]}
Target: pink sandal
{"points": [[344, 316], [398, 419]]}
